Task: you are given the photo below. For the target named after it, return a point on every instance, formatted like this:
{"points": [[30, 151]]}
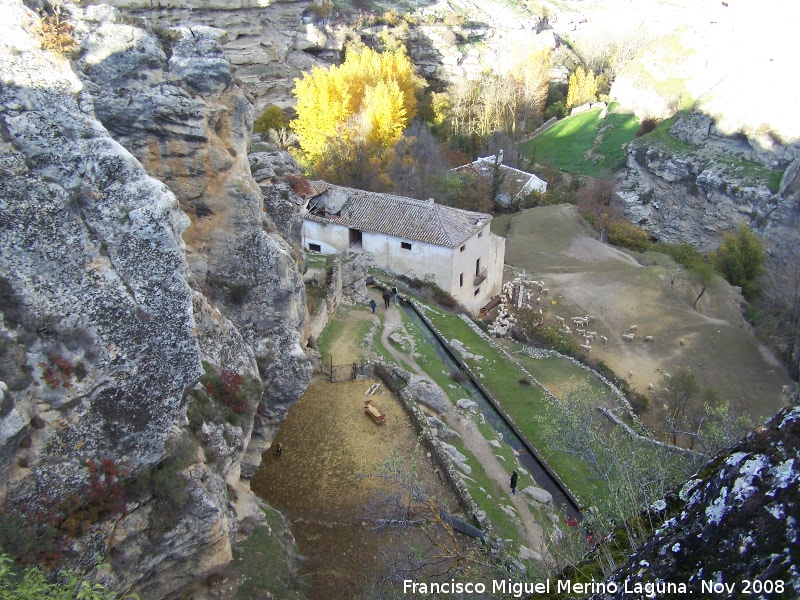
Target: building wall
{"points": [[331, 238], [438, 264], [421, 261]]}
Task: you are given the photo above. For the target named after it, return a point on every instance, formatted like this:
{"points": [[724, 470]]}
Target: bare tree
{"points": [[425, 546], [674, 397], [631, 474], [700, 276]]}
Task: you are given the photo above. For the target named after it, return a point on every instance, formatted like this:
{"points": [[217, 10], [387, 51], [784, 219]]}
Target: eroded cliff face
{"points": [[695, 184], [152, 314]]}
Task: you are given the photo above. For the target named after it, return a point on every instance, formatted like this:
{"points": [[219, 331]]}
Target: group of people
{"points": [[388, 296]]}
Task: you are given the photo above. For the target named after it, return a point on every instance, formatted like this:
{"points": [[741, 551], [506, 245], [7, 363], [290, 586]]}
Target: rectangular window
{"points": [[477, 267], [478, 291], [405, 245], [464, 247], [315, 247], [461, 280]]}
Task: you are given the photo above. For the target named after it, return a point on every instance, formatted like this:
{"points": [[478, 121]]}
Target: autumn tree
{"points": [[582, 88], [371, 98]]}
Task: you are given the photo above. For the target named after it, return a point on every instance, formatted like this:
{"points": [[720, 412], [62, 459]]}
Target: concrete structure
{"points": [[450, 247], [514, 184]]}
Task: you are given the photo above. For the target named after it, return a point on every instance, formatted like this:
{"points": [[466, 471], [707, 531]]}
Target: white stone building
{"points": [[450, 247], [514, 184]]}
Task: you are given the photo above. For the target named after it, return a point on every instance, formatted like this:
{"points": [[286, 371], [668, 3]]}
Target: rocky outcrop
{"points": [[152, 312], [268, 43], [271, 43], [736, 520], [695, 185]]}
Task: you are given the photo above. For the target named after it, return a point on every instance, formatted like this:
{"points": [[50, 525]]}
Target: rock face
{"points": [[137, 260], [270, 43], [703, 184], [736, 520]]}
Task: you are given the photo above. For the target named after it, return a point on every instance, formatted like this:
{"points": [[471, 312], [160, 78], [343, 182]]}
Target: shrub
{"points": [[647, 125], [528, 331], [639, 403], [57, 33], [684, 254], [627, 235], [459, 376], [299, 185], [557, 110], [32, 584]]}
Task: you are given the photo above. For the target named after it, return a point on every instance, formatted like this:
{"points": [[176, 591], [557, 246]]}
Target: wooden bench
{"points": [[374, 412]]}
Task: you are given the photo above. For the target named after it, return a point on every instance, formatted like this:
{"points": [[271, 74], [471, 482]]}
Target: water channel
{"points": [[523, 448]]}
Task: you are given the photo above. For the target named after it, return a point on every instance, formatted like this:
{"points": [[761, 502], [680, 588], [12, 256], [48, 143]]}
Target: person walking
{"points": [[386, 298], [514, 477], [373, 305], [394, 294]]}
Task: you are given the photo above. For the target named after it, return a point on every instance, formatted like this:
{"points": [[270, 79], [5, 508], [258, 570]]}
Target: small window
{"points": [[461, 280], [315, 247], [480, 234], [478, 291], [405, 245], [464, 247]]}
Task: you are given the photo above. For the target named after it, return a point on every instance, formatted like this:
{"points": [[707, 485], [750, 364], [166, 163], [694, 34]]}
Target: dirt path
{"points": [[531, 533]]}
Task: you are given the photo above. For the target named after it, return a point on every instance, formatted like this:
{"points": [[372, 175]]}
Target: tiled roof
{"points": [[514, 181], [406, 218]]}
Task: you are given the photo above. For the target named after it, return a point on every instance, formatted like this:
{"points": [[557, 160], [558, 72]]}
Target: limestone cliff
{"points": [[152, 314], [689, 182]]}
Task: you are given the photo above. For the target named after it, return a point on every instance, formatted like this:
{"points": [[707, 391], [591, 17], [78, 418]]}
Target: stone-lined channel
{"points": [[526, 453]]}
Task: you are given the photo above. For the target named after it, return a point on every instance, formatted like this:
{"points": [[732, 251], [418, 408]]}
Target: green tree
{"points": [[740, 259], [271, 119], [701, 274]]}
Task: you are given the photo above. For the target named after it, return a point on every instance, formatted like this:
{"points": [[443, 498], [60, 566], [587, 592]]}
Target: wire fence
{"points": [[348, 372]]}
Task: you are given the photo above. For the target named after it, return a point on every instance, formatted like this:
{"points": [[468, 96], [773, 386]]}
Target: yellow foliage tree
{"points": [[582, 88], [379, 89]]}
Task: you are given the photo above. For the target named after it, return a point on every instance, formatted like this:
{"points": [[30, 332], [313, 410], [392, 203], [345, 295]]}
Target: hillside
{"points": [[622, 288]]}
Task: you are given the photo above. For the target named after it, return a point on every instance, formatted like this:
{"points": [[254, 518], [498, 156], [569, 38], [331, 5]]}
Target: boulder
{"points": [[467, 405], [538, 495], [426, 393]]}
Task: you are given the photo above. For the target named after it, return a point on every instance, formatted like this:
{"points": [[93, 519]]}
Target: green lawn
{"points": [[567, 144], [526, 404]]}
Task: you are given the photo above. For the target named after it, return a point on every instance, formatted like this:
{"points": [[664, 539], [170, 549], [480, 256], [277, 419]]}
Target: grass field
{"points": [[585, 144], [622, 288], [526, 404]]}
